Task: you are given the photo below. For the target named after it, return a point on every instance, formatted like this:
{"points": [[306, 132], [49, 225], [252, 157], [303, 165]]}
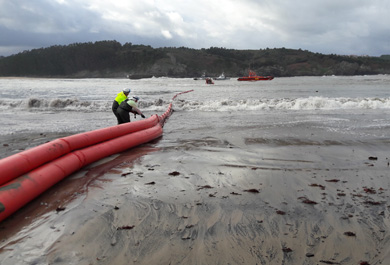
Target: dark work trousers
{"points": [[115, 106], [124, 115]]}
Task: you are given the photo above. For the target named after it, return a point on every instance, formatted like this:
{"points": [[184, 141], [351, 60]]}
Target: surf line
{"points": [[25, 175]]}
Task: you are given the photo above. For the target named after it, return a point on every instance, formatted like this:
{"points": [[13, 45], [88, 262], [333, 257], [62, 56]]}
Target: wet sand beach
{"points": [[292, 171], [212, 198]]}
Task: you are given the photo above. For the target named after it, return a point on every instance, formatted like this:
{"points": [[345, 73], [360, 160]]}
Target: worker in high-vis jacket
{"points": [[118, 100], [127, 106]]}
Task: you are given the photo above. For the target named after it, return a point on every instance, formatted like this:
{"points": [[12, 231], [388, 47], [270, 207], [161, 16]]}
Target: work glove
{"points": [[143, 116]]}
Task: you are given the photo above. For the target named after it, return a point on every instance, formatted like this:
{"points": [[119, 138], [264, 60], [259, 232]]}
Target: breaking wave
{"points": [[310, 103]]}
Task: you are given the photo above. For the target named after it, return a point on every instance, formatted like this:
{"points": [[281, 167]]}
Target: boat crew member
{"points": [[118, 100], [127, 106]]}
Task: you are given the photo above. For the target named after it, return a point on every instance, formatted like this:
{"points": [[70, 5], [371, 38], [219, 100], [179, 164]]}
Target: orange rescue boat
{"points": [[253, 77]]}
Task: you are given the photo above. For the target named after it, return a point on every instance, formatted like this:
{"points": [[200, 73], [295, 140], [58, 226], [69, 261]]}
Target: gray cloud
{"points": [[340, 27]]}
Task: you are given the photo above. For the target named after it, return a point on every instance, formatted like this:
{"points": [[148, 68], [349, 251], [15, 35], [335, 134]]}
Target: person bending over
{"points": [[118, 100], [127, 106]]}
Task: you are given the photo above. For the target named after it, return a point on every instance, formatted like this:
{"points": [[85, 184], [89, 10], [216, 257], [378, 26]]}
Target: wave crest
{"points": [[310, 103]]}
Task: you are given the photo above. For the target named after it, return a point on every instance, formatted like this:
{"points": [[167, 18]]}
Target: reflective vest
{"points": [[120, 97]]}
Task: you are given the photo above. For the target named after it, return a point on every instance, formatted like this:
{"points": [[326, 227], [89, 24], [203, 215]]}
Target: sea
{"points": [[285, 110]]}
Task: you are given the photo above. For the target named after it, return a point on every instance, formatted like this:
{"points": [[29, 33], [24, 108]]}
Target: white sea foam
{"points": [[309, 103], [347, 105]]}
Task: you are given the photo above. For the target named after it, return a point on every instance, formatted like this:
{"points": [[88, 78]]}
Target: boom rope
{"points": [[169, 111]]}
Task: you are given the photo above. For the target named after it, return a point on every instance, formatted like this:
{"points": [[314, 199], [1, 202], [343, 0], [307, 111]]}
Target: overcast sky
{"points": [[358, 27]]}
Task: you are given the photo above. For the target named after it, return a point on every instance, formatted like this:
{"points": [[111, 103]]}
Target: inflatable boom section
{"points": [[23, 162], [26, 175], [23, 189]]}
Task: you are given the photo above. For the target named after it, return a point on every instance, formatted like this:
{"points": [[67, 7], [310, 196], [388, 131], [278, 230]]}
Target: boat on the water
{"points": [[203, 77], [222, 77], [209, 81], [139, 76], [253, 77]]}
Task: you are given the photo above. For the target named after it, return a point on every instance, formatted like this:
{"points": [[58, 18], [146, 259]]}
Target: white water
{"points": [[74, 105], [298, 93]]}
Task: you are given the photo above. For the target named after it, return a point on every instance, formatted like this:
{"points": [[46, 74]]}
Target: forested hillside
{"points": [[112, 59]]}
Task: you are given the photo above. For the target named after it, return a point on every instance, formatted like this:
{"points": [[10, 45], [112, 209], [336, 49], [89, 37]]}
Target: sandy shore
{"points": [[210, 201]]}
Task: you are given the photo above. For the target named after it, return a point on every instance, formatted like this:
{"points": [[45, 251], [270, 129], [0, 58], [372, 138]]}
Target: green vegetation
{"points": [[112, 59]]}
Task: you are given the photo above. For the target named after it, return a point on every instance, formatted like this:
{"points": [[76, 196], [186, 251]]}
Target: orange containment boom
{"points": [[23, 162], [23, 189], [26, 175]]}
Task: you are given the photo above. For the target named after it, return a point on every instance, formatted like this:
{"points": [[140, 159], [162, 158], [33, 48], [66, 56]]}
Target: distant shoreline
{"points": [[231, 77], [110, 59]]}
